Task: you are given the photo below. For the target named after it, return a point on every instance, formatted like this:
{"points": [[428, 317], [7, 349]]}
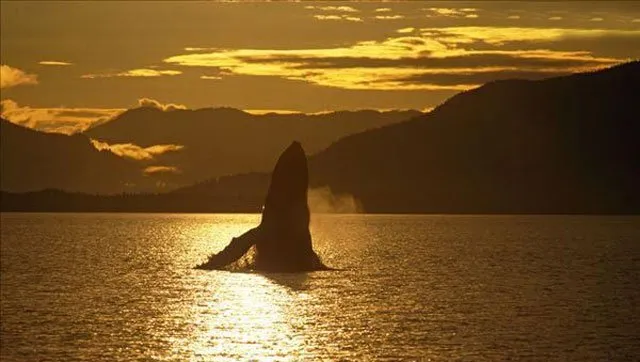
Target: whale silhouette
{"points": [[282, 241]]}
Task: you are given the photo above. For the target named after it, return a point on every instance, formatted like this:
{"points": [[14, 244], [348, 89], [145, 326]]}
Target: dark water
{"points": [[120, 287]]}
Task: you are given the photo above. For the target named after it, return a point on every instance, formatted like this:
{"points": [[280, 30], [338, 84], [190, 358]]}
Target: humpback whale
{"points": [[282, 241]]}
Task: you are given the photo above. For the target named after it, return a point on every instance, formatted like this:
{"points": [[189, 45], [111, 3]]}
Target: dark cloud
{"points": [[477, 78], [453, 63]]}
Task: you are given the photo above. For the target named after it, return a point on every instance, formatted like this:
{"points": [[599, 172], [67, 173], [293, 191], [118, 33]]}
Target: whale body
{"points": [[282, 242]]}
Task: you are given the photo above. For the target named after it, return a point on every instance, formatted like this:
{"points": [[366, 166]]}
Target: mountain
{"points": [[561, 145], [558, 145], [32, 160], [224, 141]]}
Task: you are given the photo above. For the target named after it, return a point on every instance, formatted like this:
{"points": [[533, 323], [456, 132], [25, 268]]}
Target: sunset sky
{"points": [[77, 62]]}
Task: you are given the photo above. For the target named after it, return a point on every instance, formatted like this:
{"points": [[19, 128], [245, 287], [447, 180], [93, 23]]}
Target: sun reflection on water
{"points": [[243, 316], [232, 316]]}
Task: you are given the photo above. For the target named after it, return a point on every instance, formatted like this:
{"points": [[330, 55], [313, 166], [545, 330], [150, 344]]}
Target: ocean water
{"points": [[120, 287]]}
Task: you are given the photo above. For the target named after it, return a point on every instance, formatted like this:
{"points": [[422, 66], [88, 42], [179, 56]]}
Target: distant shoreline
{"points": [[313, 213], [55, 201]]}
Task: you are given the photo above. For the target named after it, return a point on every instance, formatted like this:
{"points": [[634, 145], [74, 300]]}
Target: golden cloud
{"points": [[346, 9], [149, 102], [161, 169], [444, 11], [338, 17], [142, 72], [135, 152], [56, 120], [451, 12], [53, 62], [504, 35], [397, 62], [389, 17], [11, 77], [405, 30]]}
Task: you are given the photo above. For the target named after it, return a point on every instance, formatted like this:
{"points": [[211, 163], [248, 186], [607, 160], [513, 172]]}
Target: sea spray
{"points": [[322, 200]]}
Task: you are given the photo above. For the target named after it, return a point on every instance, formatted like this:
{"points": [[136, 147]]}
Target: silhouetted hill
{"points": [[559, 145], [52, 200], [32, 160], [224, 141], [567, 144]]}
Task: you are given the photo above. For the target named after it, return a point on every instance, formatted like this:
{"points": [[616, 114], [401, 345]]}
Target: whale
{"points": [[282, 241]]}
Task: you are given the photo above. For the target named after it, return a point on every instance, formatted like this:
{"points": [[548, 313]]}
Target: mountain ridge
{"points": [[558, 145], [225, 147], [525, 131], [36, 160], [224, 141]]}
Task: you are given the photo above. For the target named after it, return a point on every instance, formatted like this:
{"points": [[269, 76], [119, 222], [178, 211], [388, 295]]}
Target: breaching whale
{"points": [[282, 241]]}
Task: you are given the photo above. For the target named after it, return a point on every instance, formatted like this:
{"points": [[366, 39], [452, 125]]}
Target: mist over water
{"points": [[322, 200], [90, 287]]}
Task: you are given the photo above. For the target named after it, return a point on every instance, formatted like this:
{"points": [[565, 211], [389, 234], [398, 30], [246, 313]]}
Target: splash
{"points": [[322, 200], [282, 241]]}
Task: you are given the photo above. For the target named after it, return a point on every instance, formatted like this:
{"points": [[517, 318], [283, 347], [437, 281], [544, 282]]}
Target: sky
{"points": [[67, 65]]}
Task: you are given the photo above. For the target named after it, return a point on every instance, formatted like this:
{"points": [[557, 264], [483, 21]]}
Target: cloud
{"points": [[345, 9], [338, 17], [596, 19], [513, 17], [161, 169], [56, 120], [69, 120], [555, 18], [152, 103], [135, 152], [483, 76], [210, 77], [382, 10], [142, 72], [53, 62], [452, 12], [11, 77], [504, 35], [445, 11], [328, 17], [352, 18], [470, 55], [389, 17], [405, 30]]}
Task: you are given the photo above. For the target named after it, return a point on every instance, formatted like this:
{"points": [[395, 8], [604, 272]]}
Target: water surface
{"points": [[87, 287]]}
